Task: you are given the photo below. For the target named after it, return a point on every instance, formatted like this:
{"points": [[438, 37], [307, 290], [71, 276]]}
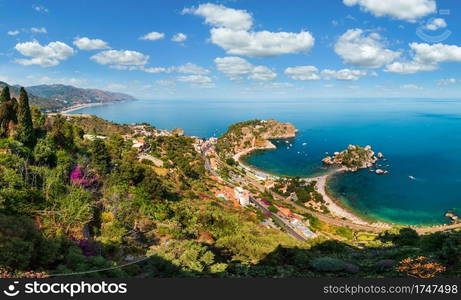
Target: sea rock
{"points": [[381, 172], [328, 160]]}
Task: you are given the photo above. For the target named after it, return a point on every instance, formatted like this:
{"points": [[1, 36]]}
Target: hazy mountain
{"points": [[54, 97], [43, 103], [71, 95]]}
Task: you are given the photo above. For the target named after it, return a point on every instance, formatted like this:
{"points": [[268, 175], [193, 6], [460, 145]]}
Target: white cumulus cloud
{"points": [[38, 30], [221, 16], [44, 56], [357, 48], [179, 37], [152, 36], [409, 67], [237, 68], [407, 10], [447, 81], [232, 32], [85, 43], [13, 32], [303, 73], [40, 8], [313, 73], [188, 68], [261, 43], [121, 59], [194, 79], [343, 74], [426, 57], [199, 81]]}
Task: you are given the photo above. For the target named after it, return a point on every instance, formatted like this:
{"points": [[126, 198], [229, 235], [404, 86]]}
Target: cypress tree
{"points": [[6, 111], [25, 131], [14, 110], [5, 95], [4, 119]]}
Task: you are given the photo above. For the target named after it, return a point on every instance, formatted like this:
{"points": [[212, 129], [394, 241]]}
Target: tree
{"points": [[25, 132], [5, 95], [100, 157], [7, 111], [400, 236], [45, 151]]}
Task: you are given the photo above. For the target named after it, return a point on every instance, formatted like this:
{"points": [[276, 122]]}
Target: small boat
{"points": [[304, 144], [412, 177]]}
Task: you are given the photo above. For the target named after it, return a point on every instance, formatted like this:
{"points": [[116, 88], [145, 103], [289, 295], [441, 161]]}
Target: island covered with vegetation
{"points": [[354, 158], [252, 135], [79, 194]]}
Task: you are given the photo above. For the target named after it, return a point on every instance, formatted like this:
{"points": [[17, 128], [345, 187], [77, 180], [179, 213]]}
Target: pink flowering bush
{"points": [[265, 202], [78, 177]]}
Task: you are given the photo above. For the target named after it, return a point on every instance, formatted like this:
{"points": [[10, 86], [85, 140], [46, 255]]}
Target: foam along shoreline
{"points": [[80, 106], [335, 209], [258, 173]]}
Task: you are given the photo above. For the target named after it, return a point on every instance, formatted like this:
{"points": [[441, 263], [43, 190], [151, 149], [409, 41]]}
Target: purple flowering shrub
{"points": [[265, 202], [78, 177]]}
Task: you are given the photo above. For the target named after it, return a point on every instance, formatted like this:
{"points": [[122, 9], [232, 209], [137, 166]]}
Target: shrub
{"points": [[328, 264]]}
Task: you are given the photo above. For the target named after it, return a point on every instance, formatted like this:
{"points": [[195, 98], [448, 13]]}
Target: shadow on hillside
{"points": [[23, 247], [335, 259]]}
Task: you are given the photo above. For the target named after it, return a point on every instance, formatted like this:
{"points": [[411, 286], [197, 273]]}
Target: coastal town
{"points": [[193, 191], [235, 188]]}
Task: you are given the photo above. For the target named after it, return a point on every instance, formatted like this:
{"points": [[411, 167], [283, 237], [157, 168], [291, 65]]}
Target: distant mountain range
{"points": [[54, 97]]}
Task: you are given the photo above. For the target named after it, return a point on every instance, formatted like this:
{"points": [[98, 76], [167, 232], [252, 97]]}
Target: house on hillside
{"points": [[242, 195]]}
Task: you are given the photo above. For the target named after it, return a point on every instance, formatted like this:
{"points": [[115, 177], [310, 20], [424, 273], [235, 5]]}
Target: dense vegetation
{"points": [[69, 204], [234, 135]]}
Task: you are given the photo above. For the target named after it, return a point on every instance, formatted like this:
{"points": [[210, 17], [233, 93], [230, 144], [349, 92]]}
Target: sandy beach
{"points": [[237, 157], [80, 106], [335, 209]]}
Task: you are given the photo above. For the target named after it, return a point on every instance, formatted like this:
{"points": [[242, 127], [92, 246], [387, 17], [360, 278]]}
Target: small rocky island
{"points": [[354, 158]]}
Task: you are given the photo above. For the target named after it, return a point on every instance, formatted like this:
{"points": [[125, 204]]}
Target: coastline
{"points": [[338, 209], [81, 106], [259, 173], [335, 208]]}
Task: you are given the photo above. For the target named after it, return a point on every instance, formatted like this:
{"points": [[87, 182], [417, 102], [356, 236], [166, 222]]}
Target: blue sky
{"points": [[236, 49]]}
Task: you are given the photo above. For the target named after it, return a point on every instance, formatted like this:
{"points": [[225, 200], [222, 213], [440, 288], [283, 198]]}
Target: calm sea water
{"points": [[420, 138]]}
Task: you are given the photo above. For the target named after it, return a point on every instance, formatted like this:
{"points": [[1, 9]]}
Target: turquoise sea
{"points": [[420, 138]]}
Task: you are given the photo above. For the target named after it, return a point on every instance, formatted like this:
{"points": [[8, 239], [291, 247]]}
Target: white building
{"points": [[243, 196]]}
